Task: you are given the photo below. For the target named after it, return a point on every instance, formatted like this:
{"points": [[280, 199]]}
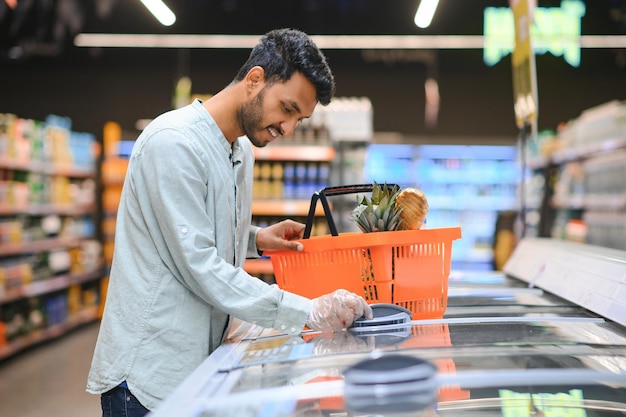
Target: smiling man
{"points": [[184, 231]]}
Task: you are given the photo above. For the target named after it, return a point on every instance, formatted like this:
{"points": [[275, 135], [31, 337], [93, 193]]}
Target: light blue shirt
{"points": [[183, 234]]}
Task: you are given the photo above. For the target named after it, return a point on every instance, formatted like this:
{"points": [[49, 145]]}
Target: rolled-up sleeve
{"points": [[253, 251]]}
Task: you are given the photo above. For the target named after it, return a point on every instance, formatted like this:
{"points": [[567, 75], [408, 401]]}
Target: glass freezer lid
{"points": [[480, 382], [517, 311], [488, 360], [440, 334], [495, 296]]}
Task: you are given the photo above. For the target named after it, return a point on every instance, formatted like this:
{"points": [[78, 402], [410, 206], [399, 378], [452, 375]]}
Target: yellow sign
{"points": [[523, 65]]}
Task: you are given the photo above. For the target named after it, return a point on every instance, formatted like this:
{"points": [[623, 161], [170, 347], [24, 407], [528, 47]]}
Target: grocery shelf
{"points": [[47, 286], [284, 207], [583, 151], [39, 245], [313, 153], [579, 191], [84, 316], [47, 168], [48, 204], [45, 209]]}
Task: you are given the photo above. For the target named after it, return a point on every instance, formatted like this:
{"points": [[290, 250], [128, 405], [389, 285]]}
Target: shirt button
{"points": [[184, 230], [283, 327], [293, 330]]}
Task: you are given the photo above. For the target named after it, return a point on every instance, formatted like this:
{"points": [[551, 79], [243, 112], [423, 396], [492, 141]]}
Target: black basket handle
{"points": [[328, 192]]}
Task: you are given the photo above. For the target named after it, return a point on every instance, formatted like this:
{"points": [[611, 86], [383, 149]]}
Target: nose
{"points": [[289, 127]]}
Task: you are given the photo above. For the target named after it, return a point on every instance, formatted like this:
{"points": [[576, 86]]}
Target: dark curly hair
{"points": [[281, 52]]}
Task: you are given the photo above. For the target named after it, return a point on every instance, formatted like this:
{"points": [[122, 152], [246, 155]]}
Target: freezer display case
{"points": [[506, 346]]}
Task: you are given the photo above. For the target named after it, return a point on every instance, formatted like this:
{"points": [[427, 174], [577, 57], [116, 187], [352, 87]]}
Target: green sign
{"points": [[562, 404], [554, 29]]}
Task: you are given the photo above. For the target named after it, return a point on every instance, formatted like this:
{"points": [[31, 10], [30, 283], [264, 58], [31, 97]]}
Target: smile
{"points": [[273, 132]]}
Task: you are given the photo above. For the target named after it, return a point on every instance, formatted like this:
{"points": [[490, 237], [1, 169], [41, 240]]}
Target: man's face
{"points": [[276, 109]]}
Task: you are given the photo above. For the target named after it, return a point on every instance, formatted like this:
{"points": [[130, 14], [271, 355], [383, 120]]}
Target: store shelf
{"points": [[46, 168], [50, 259], [586, 150], [8, 249], [305, 153], [86, 315], [285, 178], [284, 207], [581, 187], [47, 286], [45, 209]]}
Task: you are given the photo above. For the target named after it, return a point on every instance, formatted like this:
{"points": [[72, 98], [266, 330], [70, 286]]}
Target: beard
{"points": [[250, 119]]}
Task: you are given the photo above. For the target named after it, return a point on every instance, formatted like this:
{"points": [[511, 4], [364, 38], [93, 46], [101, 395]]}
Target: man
{"points": [[184, 232]]}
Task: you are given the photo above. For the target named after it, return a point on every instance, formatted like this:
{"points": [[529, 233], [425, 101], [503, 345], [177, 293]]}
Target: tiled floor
{"points": [[49, 380]]}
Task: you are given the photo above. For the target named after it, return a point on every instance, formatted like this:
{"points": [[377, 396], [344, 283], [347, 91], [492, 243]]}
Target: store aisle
{"points": [[49, 380]]}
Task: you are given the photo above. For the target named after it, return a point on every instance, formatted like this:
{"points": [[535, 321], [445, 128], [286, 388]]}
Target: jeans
{"points": [[119, 402]]}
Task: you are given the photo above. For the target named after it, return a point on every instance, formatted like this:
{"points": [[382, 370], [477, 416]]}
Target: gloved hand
{"points": [[337, 311]]}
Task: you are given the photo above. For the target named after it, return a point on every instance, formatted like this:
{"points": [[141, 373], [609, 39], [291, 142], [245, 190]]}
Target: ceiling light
{"points": [[391, 42], [425, 13], [160, 10], [395, 42]]}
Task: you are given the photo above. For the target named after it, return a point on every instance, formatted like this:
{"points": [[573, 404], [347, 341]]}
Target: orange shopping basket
{"points": [[409, 268]]}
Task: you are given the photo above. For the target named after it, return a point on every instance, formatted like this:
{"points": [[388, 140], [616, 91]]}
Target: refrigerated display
{"points": [[511, 343], [466, 186]]}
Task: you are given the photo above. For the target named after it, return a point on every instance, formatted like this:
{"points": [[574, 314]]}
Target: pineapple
{"points": [[413, 207], [379, 213], [391, 209]]}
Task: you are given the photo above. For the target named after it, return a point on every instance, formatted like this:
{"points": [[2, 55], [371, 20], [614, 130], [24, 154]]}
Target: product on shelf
{"points": [[286, 175], [347, 118], [48, 244], [581, 181]]}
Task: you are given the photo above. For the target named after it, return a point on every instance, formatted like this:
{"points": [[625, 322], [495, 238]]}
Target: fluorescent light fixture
{"points": [[392, 42], [395, 42], [425, 12], [160, 10]]}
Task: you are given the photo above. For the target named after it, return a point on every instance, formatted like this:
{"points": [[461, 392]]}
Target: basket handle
{"points": [[328, 192]]}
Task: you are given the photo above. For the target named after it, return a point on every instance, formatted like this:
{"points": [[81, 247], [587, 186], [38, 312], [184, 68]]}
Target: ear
{"points": [[255, 78]]}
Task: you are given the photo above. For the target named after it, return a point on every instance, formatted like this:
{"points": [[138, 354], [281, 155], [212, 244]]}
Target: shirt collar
{"points": [[231, 151]]}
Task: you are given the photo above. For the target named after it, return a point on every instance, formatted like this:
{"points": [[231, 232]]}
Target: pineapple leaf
{"points": [[379, 211]]}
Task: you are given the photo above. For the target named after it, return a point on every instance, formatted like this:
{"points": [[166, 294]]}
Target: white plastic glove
{"points": [[337, 311]]}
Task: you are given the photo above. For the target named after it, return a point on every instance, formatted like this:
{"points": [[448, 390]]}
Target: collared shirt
{"points": [[183, 233]]}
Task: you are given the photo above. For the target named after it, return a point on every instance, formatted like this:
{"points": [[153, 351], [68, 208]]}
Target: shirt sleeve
{"points": [[253, 252], [185, 225]]}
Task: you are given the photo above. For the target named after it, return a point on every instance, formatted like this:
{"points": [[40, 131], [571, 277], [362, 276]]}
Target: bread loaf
{"points": [[414, 207]]}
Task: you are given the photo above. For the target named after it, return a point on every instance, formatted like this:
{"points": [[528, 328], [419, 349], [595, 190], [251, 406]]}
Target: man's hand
{"points": [[337, 311], [280, 236]]}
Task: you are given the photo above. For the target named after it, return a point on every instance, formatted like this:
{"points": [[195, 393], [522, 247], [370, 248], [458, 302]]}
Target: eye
{"points": [[287, 110]]}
